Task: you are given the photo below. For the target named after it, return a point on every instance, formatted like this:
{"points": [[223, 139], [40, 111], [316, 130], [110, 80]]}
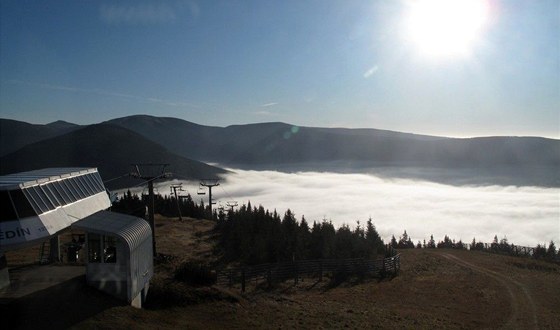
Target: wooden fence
{"points": [[271, 273], [510, 249]]}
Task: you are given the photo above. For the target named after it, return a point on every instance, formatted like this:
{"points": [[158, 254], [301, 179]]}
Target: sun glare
{"points": [[445, 28]]}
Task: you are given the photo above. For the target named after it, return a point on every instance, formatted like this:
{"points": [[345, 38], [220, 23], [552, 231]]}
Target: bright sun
{"points": [[445, 28]]}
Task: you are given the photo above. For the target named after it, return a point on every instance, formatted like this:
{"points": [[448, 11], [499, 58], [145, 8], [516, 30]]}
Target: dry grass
{"points": [[435, 289]]}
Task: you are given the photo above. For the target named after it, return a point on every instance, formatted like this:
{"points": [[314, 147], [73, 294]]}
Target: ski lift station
{"points": [[38, 205]]}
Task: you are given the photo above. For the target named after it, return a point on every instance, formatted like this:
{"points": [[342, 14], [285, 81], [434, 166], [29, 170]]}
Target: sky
{"points": [[524, 215], [367, 64]]}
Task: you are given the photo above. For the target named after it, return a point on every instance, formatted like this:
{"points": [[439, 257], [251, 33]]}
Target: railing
{"points": [[271, 273], [515, 250]]}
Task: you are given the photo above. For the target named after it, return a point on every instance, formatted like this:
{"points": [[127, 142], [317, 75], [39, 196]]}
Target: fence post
{"points": [[269, 276], [321, 270], [295, 273], [243, 280]]}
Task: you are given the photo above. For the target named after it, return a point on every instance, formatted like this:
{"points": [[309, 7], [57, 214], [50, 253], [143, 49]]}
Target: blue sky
{"points": [[309, 63]]}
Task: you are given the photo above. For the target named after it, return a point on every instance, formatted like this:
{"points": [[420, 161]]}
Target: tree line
{"points": [[497, 246], [252, 235], [133, 204]]}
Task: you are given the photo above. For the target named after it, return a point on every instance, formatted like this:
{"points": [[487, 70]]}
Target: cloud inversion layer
{"points": [[525, 215]]}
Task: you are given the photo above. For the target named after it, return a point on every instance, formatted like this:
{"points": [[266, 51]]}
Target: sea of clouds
{"points": [[525, 215]]}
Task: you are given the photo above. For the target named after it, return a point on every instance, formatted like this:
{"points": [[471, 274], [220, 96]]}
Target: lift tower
{"points": [[150, 173], [210, 183], [231, 204], [174, 188]]}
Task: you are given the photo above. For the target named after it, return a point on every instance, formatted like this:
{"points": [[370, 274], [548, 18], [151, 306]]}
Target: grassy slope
{"points": [[438, 288], [435, 289]]}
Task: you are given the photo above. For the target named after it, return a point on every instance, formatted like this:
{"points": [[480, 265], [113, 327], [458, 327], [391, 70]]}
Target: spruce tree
{"points": [[551, 252], [431, 242]]}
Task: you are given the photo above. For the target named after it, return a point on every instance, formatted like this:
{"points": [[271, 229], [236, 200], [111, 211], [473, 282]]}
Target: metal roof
{"points": [[49, 188], [134, 231], [35, 177]]}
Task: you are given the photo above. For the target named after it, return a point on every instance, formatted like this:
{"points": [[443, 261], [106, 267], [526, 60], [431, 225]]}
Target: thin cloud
{"points": [[103, 92], [172, 103], [265, 113], [146, 13], [371, 71]]}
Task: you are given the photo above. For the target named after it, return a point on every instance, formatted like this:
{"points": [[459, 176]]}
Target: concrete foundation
{"points": [[140, 299]]}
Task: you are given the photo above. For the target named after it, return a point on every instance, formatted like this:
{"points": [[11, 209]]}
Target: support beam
{"points": [[174, 188], [210, 183], [150, 173]]}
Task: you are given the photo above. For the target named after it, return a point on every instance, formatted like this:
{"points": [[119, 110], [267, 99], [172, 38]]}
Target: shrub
{"points": [[197, 274]]}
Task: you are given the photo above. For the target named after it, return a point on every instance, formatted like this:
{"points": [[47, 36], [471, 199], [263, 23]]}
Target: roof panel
{"points": [[35, 177], [131, 229]]}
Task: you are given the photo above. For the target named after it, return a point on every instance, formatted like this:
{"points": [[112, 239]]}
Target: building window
{"points": [[109, 249], [23, 207], [94, 247], [102, 249], [8, 212]]}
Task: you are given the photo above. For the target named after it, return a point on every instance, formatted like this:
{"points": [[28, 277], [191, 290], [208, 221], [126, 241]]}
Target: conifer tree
{"points": [[431, 242], [394, 243], [551, 252], [374, 241]]}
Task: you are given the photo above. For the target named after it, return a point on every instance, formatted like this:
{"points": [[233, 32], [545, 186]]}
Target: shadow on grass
{"points": [[57, 307]]}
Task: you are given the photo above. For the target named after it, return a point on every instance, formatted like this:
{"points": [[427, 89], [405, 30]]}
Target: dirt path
{"points": [[523, 309]]}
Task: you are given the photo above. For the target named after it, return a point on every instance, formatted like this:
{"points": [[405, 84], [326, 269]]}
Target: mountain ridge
{"points": [[16, 134], [503, 160], [281, 142], [112, 149]]}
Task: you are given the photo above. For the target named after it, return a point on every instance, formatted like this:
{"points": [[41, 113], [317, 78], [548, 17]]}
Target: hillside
{"points": [[264, 143], [439, 288], [16, 134], [435, 289], [280, 146], [110, 148]]}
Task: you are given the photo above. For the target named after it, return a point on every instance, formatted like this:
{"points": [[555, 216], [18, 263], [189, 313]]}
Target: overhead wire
{"points": [[152, 179], [113, 179], [187, 179], [225, 192]]}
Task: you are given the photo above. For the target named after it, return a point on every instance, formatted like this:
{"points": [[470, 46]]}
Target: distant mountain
{"points": [[16, 134], [110, 148], [278, 143], [62, 125], [281, 146], [285, 147], [182, 137], [266, 143]]}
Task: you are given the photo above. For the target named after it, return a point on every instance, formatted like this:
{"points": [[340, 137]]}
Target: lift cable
{"points": [[113, 179]]}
